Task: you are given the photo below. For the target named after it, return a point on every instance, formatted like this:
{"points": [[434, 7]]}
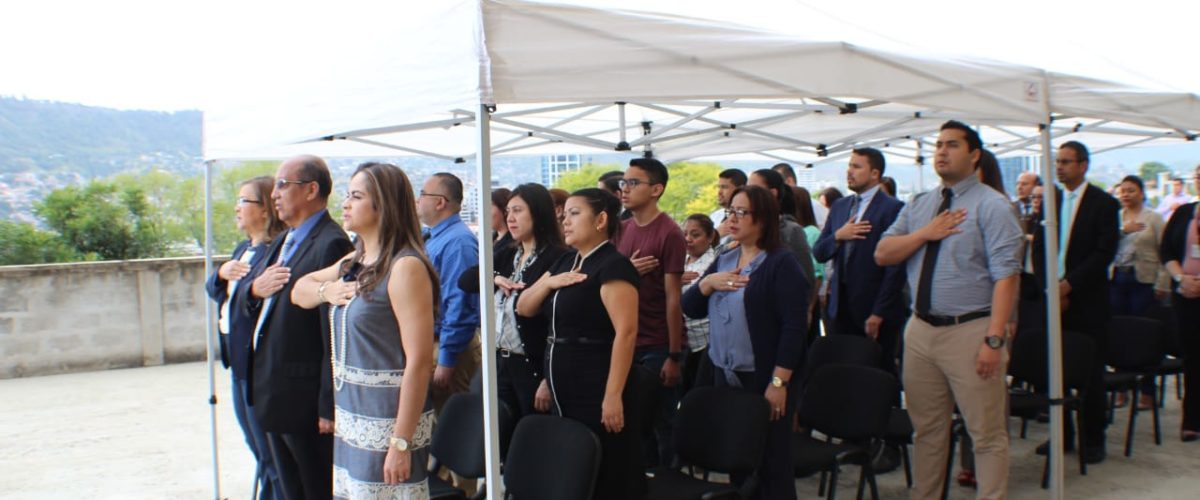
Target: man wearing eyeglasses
{"points": [[452, 248], [655, 244], [1088, 236], [292, 392]]}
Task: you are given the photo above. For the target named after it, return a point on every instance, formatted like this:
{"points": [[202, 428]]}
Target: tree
{"points": [[691, 188], [104, 220], [22, 243], [585, 177], [1149, 171]]}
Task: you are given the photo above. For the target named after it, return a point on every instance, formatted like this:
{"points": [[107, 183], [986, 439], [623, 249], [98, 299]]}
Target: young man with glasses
{"points": [[655, 244]]}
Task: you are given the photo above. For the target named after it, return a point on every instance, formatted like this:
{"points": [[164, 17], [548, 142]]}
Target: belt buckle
{"points": [[504, 353]]}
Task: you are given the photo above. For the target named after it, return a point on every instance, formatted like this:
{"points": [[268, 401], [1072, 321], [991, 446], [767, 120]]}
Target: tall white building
{"points": [[554, 166]]}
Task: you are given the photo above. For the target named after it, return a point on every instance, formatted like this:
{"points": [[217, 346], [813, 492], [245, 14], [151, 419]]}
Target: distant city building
{"points": [[470, 204], [806, 178], [554, 166]]}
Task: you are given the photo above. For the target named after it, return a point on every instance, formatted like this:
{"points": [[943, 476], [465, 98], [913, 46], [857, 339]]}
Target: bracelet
{"points": [[321, 291]]}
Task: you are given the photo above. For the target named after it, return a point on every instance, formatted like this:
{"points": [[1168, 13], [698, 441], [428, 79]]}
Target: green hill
{"points": [[53, 137]]}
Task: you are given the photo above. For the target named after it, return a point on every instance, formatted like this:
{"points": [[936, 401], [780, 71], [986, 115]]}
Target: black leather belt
{"points": [[577, 341], [1125, 269], [953, 320], [506, 353]]}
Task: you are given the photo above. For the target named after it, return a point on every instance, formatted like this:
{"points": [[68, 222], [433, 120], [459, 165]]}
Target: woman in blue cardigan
{"points": [[256, 218], [756, 330]]}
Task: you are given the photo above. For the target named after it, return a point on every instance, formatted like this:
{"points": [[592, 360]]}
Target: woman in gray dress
{"points": [[382, 305]]}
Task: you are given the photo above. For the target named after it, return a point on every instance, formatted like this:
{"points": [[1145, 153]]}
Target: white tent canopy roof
{"points": [[556, 72]]}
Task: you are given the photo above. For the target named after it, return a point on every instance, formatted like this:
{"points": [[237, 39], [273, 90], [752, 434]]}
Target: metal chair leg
{"points": [[1133, 411]]}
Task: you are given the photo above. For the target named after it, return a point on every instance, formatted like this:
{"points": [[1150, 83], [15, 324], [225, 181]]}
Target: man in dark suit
{"points": [[865, 299], [1088, 237], [292, 384]]}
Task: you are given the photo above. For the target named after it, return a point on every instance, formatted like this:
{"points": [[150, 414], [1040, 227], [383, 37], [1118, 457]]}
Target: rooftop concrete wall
{"points": [[86, 316]]}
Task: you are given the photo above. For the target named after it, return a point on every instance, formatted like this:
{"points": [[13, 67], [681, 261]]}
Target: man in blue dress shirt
{"points": [[452, 248]]}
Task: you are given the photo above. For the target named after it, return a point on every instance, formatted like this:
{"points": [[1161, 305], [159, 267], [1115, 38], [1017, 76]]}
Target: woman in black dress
{"points": [[521, 346], [590, 299]]}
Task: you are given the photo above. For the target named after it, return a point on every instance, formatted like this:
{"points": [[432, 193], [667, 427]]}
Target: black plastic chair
{"points": [[851, 404], [841, 349], [1172, 365], [900, 434], [717, 429], [1030, 364], [1135, 351], [551, 458], [458, 443]]}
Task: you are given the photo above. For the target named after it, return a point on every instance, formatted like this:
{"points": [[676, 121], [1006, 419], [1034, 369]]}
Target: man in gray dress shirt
{"points": [[963, 296]]}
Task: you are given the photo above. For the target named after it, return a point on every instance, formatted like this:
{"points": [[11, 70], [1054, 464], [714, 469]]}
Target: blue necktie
{"points": [[284, 255], [1064, 234]]}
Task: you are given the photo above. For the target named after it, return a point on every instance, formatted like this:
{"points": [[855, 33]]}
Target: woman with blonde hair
{"points": [[382, 300]]}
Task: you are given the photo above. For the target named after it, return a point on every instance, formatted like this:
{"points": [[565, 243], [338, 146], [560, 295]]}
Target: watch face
{"points": [[995, 342]]}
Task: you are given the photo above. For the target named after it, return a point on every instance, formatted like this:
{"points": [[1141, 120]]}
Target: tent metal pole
{"points": [[487, 308], [1053, 312], [920, 166], [209, 330]]}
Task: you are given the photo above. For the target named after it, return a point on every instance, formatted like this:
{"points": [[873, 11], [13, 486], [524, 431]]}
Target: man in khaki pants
{"points": [[961, 245]]}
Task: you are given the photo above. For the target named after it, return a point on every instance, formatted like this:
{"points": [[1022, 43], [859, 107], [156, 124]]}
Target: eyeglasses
{"points": [[282, 183], [631, 184], [244, 201], [737, 212], [442, 196]]}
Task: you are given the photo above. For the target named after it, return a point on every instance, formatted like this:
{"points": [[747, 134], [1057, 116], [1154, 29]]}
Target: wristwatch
{"points": [[778, 382], [994, 341], [399, 443]]}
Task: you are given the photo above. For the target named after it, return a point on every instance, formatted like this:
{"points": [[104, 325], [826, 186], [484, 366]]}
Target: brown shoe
{"points": [[1145, 403], [1189, 436], [1122, 400]]}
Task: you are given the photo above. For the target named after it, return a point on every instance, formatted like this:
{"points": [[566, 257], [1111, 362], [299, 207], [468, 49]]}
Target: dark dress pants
{"points": [[515, 383], [657, 434], [1188, 312], [305, 464], [775, 473], [256, 439]]}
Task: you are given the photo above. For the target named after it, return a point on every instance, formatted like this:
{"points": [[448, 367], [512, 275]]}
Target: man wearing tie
{"points": [[292, 383], [865, 299], [960, 245], [1088, 235]]}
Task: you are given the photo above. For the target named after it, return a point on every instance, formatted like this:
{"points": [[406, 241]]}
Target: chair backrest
{"points": [[1030, 359], [722, 429], [1170, 325], [849, 402], [477, 383], [552, 458], [841, 349], [1134, 343], [458, 437]]}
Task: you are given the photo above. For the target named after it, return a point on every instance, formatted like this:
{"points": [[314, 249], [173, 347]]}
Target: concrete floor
{"points": [[144, 434]]}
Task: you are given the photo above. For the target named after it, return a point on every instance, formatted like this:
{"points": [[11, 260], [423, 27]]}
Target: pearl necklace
{"points": [[338, 361]]}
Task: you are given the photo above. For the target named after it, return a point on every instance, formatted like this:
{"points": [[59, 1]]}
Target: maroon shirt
{"points": [[663, 239]]}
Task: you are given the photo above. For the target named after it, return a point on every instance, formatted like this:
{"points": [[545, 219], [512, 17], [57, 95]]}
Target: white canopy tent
{"points": [[473, 78]]}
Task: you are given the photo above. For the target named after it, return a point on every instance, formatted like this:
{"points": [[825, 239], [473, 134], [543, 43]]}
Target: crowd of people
{"points": [[342, 352]]}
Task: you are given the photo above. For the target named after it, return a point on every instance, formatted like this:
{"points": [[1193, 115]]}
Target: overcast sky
{"points": [[170, 55]]}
